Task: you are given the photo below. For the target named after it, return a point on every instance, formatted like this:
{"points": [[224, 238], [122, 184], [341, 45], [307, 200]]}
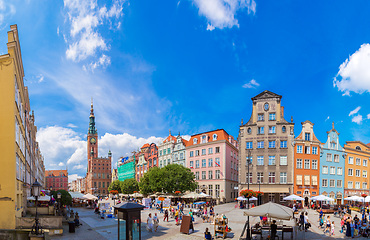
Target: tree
{"points": [[129, 186], [66, 198], [115, 185], [178, 178]]}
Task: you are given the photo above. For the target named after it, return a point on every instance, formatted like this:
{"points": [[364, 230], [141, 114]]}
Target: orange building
{"points": [[56, 179], [306, 163], [356, 177]]}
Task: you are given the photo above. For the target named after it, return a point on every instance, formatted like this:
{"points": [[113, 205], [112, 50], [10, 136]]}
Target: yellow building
{"points": [[356, 177], [21, 158]]}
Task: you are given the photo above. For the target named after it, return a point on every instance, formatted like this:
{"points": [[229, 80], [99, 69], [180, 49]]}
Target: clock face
{"points": [[93, 140], [266, 106]]}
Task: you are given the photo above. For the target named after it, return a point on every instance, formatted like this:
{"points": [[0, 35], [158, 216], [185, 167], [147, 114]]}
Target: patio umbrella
{"points": [[293, 198], [322, 198], [76, 195], [41, 198], [204, 195], [192, 195], [241, 198], [89, 196], [271, 210]]}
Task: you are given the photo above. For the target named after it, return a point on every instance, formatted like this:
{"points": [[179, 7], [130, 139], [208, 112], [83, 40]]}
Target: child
{"points": [[332, 228], [342, 225]]}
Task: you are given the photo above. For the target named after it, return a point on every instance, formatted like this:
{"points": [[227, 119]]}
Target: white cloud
{"points": [[73, 177], [40, 78], [354, 111], [58, 31], [61, 164], [251, 84], [85, 17], [221, 13], [71, 125], [354, 73], [327, 118], [103, 61], [368, 116], [357, 119], [6, 10]]}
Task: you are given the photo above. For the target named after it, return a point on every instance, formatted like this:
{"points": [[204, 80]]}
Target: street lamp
{"points": [[36, 189], [59, 196], [248, 162]]}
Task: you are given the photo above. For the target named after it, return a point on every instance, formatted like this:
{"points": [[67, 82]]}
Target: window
{"points": [[314, 180], [191, 164], [299, 179], [210, 190], [299, 149], [272, 129], [307, 137], [248, 179], [339, 171], [204, 152], [364, 185], [314, 150], [339, 183], [260, 130], [307, 164], [217, 190], [204, 163], [210, 150], [358, 173], [272, 160], [307, 180], [260, 144], [249, 145], [191, 153], [325, 182], [336, 158], [350, 160], [160, 153], [357, 185], [328, 157], [260, 177], [314, 164], [210, 162], [203, 174], [358, 148], [283, 129], [217, 173], [332, 183], [333, 145], [358, 161], [271, 177], [272, 116], [196, 152], [283, 144], [332, 170], [260, 160], [197, 164], [350, 172], [260, 117], [210, 174], [364, 163], [299, 163], [283, 177], [283, 160], [364, 173], [217, 162], [325, 169], [195, 141], [350, 184], [217, 150], [249, 130], [271, 197], [307, 150], [164, 152], [196, 175], [214, 137]]}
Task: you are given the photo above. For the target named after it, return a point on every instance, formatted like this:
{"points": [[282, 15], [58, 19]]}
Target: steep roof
{"points": [[55, 172], [221, 135], [145, 145]]}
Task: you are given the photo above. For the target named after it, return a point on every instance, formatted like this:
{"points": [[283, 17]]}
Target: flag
{"points": [[217, 164]]}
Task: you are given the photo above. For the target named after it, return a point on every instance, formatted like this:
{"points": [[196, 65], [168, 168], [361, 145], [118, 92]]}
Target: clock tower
{"points": [[92, 139]]}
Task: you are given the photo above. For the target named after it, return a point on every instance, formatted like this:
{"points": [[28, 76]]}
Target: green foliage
{"points": [[66, 198], [115, 185], [169, 179], [129, 186]]}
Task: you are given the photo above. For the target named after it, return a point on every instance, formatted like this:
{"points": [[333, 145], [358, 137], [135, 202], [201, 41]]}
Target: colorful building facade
{"points": [[356, 176], [306, 163], [213, 158], [146, 159], [56, 180], [126, 168], [165, 149], [332, 167]]}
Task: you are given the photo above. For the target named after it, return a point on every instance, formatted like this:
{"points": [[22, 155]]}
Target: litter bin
{"points": [[72, 226]]}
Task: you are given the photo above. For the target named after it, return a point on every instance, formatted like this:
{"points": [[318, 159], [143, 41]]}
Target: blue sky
{"points": [[188, 66]]}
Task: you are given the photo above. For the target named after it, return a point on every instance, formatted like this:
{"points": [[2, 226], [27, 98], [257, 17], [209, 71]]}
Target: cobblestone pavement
{"points": [[96, 228]]}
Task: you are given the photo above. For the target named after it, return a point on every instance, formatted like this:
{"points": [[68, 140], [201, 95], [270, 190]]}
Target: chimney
{"points": [[282, 111]]}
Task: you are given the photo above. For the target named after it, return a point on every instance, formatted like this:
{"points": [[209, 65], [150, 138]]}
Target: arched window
{"points": [[215, 136], [358, 148], [283, 129], [195, 141]]}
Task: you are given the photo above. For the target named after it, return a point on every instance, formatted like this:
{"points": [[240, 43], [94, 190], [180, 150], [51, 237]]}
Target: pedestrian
{"points": [[165, 215], [207, 235], [273, 229], [342, 225], [301, 221], [348, 227], [177, 216], [332, 228], [191, 215], [149, 223], [155, 222], [328, 225], [306, 222]]}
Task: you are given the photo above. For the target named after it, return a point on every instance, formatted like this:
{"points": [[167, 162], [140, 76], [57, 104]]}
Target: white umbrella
{"points": [[77, 195], [192, 195], [354, 198], [204, 195], [271, 210], [40, 198], [322, 198], [293, 198], [367, 199], [253, 199], [241, 198], [90, 196]]}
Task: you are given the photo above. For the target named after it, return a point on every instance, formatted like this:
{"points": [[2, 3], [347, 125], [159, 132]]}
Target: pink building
{"points": [[213, 158]]}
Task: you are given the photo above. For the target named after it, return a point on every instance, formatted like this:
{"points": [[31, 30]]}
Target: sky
{"points": [[188, 66]]}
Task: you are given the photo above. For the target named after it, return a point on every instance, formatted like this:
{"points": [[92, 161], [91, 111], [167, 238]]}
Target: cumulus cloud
{"points": [[368, 116], [221, 13], [354, 111], [85, 17], [73, 177], [251, 84], [6, 10], [357, 119], [354, 73], [103, 61]]}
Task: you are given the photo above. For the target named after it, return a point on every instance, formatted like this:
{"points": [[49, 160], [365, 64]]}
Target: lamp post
{"points": [[259, 190], [248, 163], [36, 189], [59, 196]]}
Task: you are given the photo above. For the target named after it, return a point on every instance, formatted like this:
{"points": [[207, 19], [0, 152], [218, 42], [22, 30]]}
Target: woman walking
{"points": [[149, 222], [155, 222]]}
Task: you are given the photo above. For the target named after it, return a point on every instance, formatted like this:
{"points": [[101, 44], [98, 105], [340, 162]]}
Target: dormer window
{"points": [[358, 148], [214, 137], [195, 141], [204, 139]]}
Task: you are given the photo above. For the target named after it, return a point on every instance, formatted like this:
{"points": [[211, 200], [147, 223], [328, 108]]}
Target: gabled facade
{"points": [[56, 180], [332, 167], [179, 151], [356, 176], [268, 137], [306, 163], [165, 151], [146, 159]]}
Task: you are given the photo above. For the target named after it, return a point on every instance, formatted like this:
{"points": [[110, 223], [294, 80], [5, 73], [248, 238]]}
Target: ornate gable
{"points": [[266, 95]]}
